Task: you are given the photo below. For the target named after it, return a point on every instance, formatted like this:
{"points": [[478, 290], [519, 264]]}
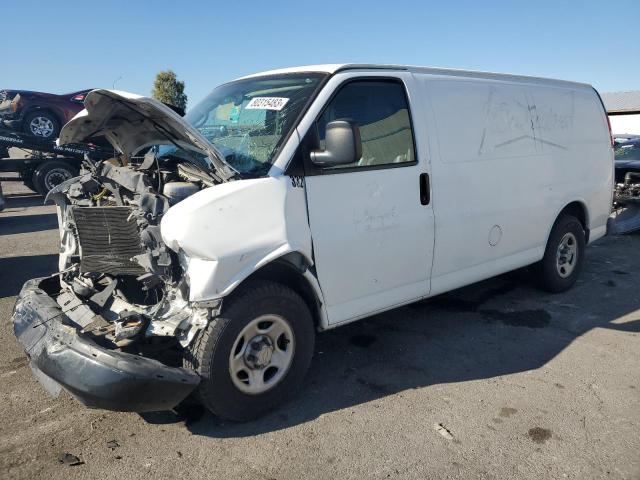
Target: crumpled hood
{"points": [[131, 122]]}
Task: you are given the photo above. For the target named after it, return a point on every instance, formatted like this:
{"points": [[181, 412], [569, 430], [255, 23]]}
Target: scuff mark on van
{"points": [[539, 140], [533, 111], [372, 220], [513, 140], [505, 117], [521, 121], [486, 120], [547, 142]]}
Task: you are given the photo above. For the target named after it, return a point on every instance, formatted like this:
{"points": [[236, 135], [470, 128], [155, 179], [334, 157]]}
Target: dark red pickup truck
{"points": [[37, 113]]}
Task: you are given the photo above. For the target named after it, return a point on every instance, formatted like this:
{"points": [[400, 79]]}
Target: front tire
{"points": [[254, 356], [563, 256]]}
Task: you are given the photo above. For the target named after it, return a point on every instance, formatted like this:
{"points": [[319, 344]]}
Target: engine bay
{"points": [[119, 283]]}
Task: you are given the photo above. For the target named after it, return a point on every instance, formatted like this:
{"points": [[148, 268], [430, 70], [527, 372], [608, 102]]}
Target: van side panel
{"points": [[508, 157]]}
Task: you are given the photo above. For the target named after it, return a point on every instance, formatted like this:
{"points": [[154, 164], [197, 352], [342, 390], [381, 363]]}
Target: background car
{"points": [[619, 140], [627, 154], [37, 113]]}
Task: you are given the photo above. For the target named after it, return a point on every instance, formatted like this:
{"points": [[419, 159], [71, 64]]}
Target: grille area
{"points": [[107, 240]]}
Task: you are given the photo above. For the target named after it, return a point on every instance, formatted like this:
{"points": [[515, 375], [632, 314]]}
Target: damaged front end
{"points": [[113, 261], [626, 204], [112, 325], [64, 355]]}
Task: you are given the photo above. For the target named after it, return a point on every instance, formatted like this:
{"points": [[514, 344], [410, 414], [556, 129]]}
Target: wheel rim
{"points": [[567, 255], [261, 354], [41, 126], [55, 177]]}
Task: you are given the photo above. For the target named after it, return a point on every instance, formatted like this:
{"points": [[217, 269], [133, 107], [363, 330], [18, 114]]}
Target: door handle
{"points": [[425, 189]]}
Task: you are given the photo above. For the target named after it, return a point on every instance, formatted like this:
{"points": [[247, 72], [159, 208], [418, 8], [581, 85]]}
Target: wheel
{"points": [[50, 174], [28, 179], [42, 124], [564, 255], [254, 356]]}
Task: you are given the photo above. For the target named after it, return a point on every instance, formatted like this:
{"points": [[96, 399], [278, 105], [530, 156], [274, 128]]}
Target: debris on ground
{"points": [[444, 431], [112, 444], [69, 459]]}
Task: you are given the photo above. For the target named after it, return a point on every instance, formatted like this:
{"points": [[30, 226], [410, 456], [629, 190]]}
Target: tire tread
{"points": [[198, 356], [547, 277]]}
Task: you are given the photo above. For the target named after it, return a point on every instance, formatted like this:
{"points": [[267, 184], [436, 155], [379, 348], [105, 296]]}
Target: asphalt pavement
{"points": [[497, 380]]}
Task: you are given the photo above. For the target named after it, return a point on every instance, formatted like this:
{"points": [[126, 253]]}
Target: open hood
{"points": [[131, 122]]}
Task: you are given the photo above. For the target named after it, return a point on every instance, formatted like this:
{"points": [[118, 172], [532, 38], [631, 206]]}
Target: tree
{"points": [[168, 89]]}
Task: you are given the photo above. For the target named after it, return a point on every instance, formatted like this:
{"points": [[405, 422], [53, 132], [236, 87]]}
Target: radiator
{"points": [[108, 240]]}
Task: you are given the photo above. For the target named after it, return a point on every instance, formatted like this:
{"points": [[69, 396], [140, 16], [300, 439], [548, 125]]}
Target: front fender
{"points": [[229, 231], [210, 279]]}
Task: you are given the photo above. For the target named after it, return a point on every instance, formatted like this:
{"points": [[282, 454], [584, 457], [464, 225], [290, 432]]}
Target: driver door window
{"points": [[381, 111]]}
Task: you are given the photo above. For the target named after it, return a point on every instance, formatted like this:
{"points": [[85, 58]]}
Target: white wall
{"points": [[621, 124]]}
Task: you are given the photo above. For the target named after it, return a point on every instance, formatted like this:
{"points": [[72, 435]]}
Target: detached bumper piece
{"points": [[96, 376]]}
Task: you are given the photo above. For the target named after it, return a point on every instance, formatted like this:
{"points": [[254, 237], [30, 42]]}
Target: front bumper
{"points": [[96, 376], [12, 124]]}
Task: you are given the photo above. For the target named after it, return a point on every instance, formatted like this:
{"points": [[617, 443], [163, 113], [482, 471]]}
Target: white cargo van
{"points": [[299, 200]]}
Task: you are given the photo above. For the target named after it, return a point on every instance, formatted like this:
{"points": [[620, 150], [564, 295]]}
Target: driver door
{"points": [[371, 225]]}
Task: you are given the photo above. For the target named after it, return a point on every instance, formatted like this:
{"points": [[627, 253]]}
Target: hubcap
{"points": [[41, 126], [55, 177], [567, 255], [261, 354], [258, 353]]}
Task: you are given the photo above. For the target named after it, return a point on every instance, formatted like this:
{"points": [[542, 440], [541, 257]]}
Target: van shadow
{"points": [[28, 223], [24, 200], [11, 224], [15, 271], [496, 327]]}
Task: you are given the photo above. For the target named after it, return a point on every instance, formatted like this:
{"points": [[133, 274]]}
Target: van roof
{"points": [[338, 67]]}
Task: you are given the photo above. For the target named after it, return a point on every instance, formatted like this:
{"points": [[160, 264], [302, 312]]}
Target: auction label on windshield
{"points": [[267, 103]]}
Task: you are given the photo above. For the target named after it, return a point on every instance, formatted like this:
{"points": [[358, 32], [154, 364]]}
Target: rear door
{"points": [[371, 221]]}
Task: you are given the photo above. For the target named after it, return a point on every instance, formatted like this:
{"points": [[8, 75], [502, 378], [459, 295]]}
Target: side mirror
{"points": [[342, 145]]}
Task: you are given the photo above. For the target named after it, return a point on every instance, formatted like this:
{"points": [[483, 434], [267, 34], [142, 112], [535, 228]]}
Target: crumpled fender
{"points": [[229, 231]]}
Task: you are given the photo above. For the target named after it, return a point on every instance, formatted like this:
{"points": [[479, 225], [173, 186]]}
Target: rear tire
{"points": [[28, 178], [254, 356], [563, 257], [52, 173]]}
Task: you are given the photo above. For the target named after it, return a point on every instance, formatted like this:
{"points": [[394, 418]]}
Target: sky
{"points": [[62, 46]]}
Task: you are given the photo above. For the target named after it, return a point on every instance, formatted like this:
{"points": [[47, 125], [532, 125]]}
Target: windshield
{"points": [[248, 120]]}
